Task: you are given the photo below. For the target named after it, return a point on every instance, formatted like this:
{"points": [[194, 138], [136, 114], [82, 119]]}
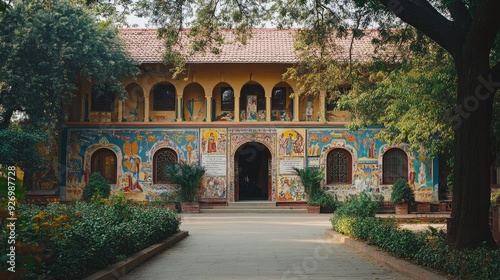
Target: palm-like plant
{"points": [[311, 179], [188, 177]]}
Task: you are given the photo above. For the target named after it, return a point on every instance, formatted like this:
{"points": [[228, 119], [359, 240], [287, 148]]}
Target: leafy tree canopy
{"points": [[47, 48]]}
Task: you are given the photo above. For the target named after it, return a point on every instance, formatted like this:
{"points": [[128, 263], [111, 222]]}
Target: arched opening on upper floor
{"points": [[194, 103], [223, 102], [281, 103], [252, 102], [309, 107], [133, 106], [103, 104], [162, 104]]}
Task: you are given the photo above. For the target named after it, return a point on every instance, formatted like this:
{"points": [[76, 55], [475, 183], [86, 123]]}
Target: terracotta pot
{"points": [[190, 207], [423, 207], [401, 209], [313, 209]]}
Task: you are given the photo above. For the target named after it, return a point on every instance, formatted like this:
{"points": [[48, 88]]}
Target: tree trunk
{"points": [[472, 125]]}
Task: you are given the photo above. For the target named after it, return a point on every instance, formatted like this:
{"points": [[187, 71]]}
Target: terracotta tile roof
{"points": [[267, 45]]}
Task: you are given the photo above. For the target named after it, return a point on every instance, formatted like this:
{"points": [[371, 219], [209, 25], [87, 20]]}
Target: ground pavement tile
{"points": [[259, 246]]}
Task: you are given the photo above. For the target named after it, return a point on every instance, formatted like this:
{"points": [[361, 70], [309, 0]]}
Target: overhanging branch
{"points": [[428, 20]]}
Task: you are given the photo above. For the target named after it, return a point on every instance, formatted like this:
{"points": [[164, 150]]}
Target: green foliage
{"points": [[188, 177], [495, 198], [311, 179], [327, 202], [97, 185], [47, 49], [361, 205], [428, 249], [402, 193], [71, 241], [4, 185]]}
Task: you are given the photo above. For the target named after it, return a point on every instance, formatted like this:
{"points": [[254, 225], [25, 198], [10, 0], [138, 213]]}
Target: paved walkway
{"points": [[259, 246]]}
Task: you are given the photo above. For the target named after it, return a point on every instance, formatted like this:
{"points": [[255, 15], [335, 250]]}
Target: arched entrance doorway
{"points": [[252, 162]]}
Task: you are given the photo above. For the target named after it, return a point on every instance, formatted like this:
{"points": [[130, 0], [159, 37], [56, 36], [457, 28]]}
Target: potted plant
{"points": [[311, 179], [401, 196], [166, 200], [188, 177]]}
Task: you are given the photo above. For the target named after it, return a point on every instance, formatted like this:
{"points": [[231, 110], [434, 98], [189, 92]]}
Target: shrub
{"points": [[402, 193], [188, 176], [71, 241], [97, 186], [428, 249], [360, 205]]}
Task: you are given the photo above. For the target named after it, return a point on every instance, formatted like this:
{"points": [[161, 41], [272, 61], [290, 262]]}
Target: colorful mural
{"points": [[215, 148], [290, 189], [134, 151], [213, 187], [291, 142], [367, 152], [213, 140], [240, 136], [44, 179]]}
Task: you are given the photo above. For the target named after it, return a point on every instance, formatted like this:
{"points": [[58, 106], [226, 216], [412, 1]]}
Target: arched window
{"points": [[104, 162], [394, 166], [102, 101], [164, 97], [161, 159], [339, 167]]}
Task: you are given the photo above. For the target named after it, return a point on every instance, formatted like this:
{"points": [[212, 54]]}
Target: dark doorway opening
{"points": [[252, 174]]}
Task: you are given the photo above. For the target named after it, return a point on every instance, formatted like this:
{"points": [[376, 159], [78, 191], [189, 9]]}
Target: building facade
{"points": [[234, 114]]}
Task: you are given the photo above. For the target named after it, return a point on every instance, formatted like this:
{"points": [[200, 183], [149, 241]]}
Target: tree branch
{"points": [[460, 14], [7, 115], [427, 19]]}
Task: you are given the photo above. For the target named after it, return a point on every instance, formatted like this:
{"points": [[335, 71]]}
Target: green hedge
{"points": [[73, 241], [427, 249]]}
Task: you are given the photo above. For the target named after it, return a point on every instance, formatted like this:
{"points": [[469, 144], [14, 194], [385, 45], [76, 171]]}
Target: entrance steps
{"points": [[253, 207]]}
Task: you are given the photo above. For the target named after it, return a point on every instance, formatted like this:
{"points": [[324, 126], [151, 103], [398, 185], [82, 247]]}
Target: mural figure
{"points": [[371, 149], [252, 107], [132, 186], [212, 146], [309, 109], [421, 175], [289, 144], [412, 175]]}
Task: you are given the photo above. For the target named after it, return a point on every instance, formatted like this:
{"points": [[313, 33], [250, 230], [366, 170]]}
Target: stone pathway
{"points": [[259, 246]]}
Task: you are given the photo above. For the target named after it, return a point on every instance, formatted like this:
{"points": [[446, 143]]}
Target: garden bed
{"points": [[72, 241]]}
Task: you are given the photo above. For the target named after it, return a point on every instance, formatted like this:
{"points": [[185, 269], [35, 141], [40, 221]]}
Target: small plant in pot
{"points": [[188, 177], [311, 179], [401, 196]]}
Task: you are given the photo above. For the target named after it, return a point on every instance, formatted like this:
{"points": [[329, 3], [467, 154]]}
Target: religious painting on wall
{"points": [[251, 107], [213, 141], [291, 142]]}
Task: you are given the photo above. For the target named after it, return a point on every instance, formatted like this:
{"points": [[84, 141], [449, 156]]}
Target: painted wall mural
{"points": [[213, 158], [240, 136], [44, 179], [291, 142], [290, 188], [367, 152], [215, 148], [134, 149]]}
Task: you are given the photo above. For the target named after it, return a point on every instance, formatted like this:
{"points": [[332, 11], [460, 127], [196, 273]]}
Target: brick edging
{"points": [[406, 268], [121, 268]]}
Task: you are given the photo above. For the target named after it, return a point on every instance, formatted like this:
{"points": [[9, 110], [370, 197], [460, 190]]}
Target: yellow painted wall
{"points": [[199, 81]]}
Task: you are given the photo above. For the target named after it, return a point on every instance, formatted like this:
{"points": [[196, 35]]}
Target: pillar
{"points": [[236, 107]]}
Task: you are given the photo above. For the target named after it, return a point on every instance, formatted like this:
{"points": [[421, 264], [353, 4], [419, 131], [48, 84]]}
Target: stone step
{"points": [[275, 210], [251, 204]]}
